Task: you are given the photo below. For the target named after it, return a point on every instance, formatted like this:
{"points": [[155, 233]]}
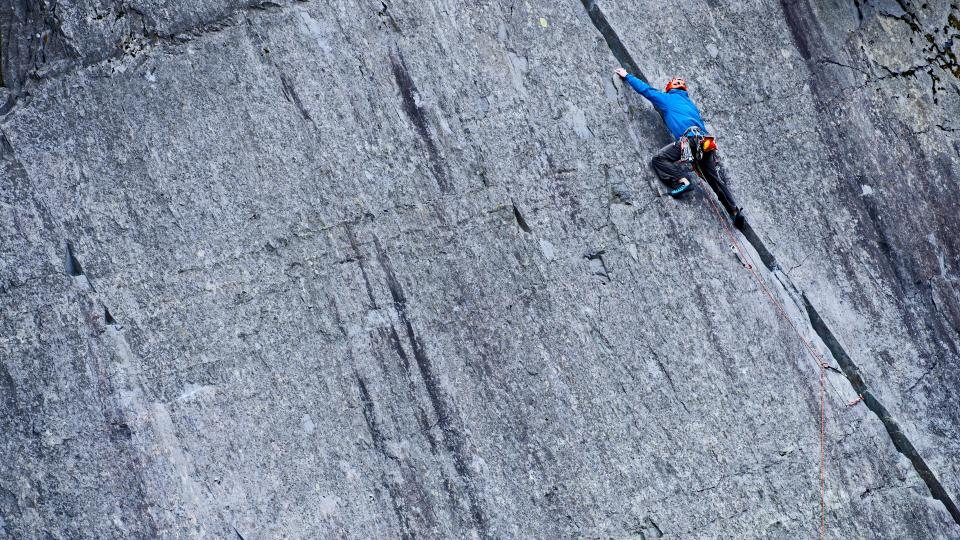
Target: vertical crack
{"points": [[899, 439], [616, 46], [291, 94], [852, 372], [766, 257], [807, 34], [289, 91]]}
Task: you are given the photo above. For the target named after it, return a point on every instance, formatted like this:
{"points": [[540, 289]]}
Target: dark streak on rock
{"points": [[799, 27], [71, 264], [291, 94], [8, 395], [289, 91], [414, 494], [453, 438], [859, 9], [666, 373], [884, 243], [417, 116], [361, 259], [393, 339], [376, 435], [369, 416], [522, 223]]}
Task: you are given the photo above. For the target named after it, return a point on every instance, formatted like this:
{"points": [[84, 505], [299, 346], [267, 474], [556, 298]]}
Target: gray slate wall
{"points": [[399, 269]]}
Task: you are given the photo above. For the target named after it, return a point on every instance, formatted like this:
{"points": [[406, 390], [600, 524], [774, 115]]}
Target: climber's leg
{"points": [[713, 173], [666, 163]]}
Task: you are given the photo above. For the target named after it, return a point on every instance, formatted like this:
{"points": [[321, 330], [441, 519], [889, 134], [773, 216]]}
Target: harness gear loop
{"points": [[694, 143], [686, 153]]}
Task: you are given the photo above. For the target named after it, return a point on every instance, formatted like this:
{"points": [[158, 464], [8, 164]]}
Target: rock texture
{"points": [[399, 269]]}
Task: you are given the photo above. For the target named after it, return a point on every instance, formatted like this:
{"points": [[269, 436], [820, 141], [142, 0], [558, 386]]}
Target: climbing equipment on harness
{"points": [[686, 153], [694, 143], [709, 144], [676, 83]]}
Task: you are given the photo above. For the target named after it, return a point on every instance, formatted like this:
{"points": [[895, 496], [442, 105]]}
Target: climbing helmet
{"points": [[676, 83]]}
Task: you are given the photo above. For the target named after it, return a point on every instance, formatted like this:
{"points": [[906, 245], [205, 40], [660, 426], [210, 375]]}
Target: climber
{"points": [[693, 143]]}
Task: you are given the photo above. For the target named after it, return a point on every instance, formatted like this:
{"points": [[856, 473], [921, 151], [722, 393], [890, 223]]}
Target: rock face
{"points": [[399, 269]]}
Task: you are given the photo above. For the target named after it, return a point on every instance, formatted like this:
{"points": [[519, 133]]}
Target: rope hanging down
{"points": [[823, 365]]}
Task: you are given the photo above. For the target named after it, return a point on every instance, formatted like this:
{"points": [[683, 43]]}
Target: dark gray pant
{"points": [[670, 170]]}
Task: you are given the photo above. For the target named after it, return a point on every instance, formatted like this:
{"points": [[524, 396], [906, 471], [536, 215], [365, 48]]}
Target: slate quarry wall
{"points": [[375, 269]]}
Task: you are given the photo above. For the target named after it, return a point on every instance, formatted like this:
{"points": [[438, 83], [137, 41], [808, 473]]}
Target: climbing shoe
{"points": [[681, 189]]}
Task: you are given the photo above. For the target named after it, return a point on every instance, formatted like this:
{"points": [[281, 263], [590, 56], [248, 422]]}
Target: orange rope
{"points": [[748, 264], [823, 456]]}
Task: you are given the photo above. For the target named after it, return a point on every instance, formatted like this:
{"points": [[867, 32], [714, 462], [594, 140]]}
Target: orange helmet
{"points": [[676, 83]]}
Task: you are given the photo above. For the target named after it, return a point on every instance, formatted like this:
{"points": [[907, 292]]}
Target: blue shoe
{"points": [[683, 188]]}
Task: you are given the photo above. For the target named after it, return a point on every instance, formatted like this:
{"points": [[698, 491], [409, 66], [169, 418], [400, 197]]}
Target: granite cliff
{"points": [[376, 269]]}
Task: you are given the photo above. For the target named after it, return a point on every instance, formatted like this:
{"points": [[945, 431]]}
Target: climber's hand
{"points": [[622, 73]]}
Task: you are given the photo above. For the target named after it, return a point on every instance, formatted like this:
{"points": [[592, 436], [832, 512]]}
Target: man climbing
{"points": [[693, 143]]}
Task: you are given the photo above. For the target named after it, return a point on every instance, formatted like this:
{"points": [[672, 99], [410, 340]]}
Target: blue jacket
{"points": [[676, 107]]}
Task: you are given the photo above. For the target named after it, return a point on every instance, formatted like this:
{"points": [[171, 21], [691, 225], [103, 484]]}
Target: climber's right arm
{"points": [[655, 96]]}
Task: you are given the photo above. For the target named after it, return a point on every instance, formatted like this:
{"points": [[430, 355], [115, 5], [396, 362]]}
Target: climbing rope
{"points": [[823, 365]]}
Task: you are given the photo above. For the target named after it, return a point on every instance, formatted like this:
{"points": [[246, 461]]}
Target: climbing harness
{"points": [[823, 365], [694, 143]]}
